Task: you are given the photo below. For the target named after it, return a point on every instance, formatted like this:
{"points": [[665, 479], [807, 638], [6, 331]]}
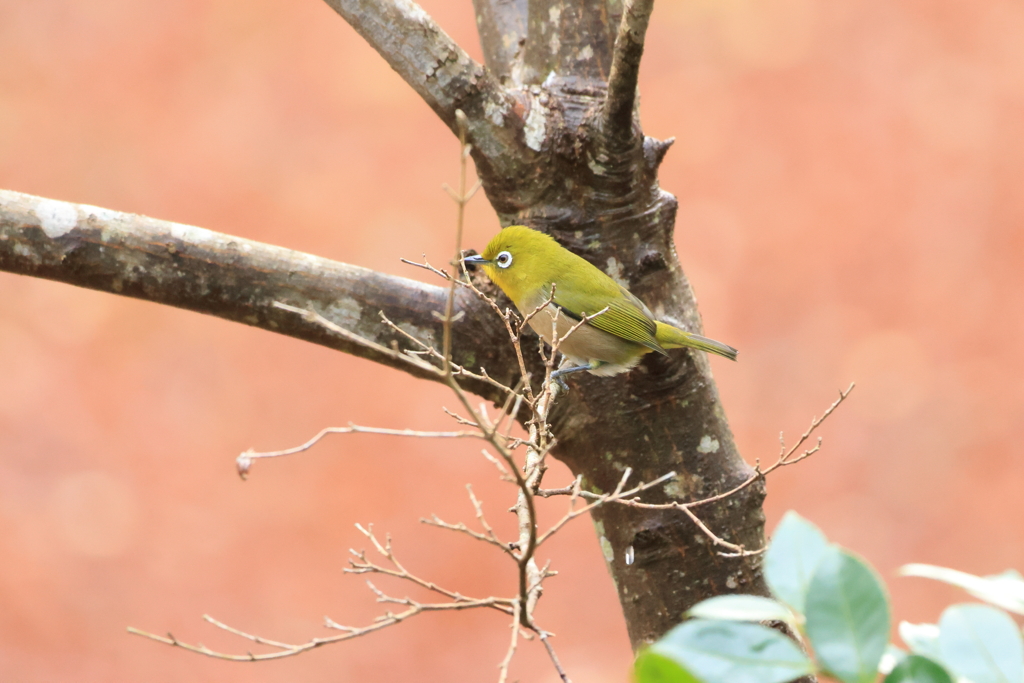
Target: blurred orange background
{"points": [[849, 177]]}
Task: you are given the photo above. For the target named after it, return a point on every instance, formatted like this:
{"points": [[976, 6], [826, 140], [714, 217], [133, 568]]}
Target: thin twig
{"points": [[462, 125], [570, 490], [785, 458], [503, 667], [617, 496], [244, 461], [502, 470], [362, 565], [554, 658], [758, 473], [462, 528], [456, 369], [314, 317], [478, 507]]}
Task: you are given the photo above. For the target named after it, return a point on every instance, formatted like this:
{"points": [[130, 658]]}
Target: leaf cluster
{"points": [[838, 605]]}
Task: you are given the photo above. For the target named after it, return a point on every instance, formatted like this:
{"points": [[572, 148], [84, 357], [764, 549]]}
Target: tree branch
{"points": [[571, 39], [238, 279], [502, 28], [617, 117], [444, 75]]}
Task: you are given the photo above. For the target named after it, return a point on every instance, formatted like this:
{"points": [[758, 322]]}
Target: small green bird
{"points": [[525, 262]]}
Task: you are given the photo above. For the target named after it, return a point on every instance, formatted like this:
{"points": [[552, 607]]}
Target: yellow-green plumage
{"points": [[524, 263]]}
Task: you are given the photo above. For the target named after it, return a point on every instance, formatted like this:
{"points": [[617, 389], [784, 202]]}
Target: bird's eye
{"points": [[504, 259]]}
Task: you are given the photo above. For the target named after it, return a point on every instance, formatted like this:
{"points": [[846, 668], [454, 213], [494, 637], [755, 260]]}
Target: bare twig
{"points": [[503, 667], [540, 307], [572, 489], [244, 461], [478, 507], [462, 528], [738, 550], [554, 658], [502, 470], [362, 565], [440, 272], [314, 317], [462, 128], [525, 510], [458, 418], [289, 650], [530, 577], [617, 496], [785, 458], [511, 414], [784, 455]]}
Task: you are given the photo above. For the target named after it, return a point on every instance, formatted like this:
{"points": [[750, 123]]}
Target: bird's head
{"points": [[520, 260]]}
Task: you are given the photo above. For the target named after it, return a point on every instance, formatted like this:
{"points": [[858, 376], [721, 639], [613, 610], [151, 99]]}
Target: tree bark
{"points": [[558, 145], [239, 279]]}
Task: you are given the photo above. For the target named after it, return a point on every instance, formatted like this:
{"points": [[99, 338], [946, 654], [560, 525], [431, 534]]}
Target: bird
{"points": [[618, 328]]}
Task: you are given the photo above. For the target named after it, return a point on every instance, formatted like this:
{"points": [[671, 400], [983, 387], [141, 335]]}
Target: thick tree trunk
{"points": [[558, 145], [595, 190]]}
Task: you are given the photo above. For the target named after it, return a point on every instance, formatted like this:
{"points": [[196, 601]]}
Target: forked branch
{"points": [[360, 565]]}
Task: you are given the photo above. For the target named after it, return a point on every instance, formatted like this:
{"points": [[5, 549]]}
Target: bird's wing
{"points": [[626, 317]]}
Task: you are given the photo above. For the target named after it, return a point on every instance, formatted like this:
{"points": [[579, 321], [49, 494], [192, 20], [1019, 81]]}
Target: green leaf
{"points": [[922, 639], [918, 669], [651, 667], [847, 616], [789, 563], [741, 608], [1004, 590], [733, 652], [981, 643]]}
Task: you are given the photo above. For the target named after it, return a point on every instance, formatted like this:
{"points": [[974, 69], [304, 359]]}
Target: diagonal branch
{"points": [[502, 28], [238, 279], [443, 74], [617, 117]]}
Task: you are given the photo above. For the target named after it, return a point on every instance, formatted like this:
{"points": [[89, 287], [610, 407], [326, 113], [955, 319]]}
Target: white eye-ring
{"points": [[504, 259]]}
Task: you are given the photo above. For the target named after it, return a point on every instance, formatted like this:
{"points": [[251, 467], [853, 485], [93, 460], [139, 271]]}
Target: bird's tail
{"points": [[673, 338]]}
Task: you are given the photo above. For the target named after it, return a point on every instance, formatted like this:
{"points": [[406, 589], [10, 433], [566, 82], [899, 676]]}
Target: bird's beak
{"points": [[475, 259]]}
